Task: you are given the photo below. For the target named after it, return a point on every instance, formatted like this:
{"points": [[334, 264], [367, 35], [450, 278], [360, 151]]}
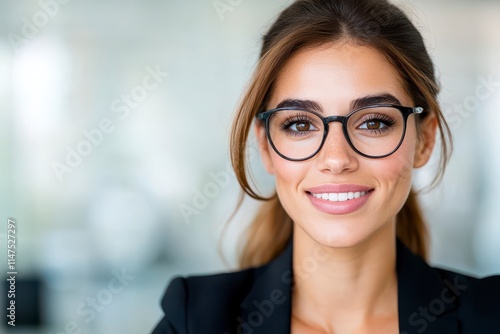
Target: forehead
{"points": [[336, 74]]}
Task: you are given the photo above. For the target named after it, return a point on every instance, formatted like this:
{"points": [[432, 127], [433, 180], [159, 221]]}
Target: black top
{"points": [[258, 300]]}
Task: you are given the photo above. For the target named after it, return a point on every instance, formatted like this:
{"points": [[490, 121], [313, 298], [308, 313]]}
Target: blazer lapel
{"points": [[425, 301], [267, 307]]}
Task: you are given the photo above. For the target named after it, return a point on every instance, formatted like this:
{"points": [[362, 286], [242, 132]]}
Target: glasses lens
{"points": [[296, 134], [376, 131]]}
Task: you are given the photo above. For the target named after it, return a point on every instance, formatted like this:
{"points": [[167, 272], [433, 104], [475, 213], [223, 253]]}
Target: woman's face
{"points": [[334, 76]]}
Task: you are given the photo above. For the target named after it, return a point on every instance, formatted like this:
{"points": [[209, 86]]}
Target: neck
{"points": [[355, 283]]}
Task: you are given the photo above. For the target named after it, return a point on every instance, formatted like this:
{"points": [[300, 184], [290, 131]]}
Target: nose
{"points": [[336, 155]]}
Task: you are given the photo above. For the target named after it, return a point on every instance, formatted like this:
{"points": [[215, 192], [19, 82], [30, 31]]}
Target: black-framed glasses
{"points": [[375, 131]]}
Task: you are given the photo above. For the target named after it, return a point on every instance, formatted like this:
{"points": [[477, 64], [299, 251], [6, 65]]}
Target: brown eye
{"points": [[303, 126], [373, 125]]}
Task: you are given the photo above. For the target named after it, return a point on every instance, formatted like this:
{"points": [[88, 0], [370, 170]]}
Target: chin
{"points": [[345, 231], [340, 241], [338, 236]]}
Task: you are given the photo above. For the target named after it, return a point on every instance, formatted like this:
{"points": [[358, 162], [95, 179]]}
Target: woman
{"points": [[344, 103]]}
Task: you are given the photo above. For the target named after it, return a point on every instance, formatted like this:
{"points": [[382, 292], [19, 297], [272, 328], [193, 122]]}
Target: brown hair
{"points": [[310, 23]]}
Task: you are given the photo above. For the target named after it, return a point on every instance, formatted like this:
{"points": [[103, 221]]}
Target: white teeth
{"points": [[340, 197], [333, 197]]}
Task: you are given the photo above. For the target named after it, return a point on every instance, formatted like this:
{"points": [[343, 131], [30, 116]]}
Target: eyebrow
{"points": [[302, 104], [370, 100], [358, 103]]}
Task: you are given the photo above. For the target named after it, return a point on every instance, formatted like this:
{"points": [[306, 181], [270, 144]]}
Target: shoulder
{"points": [[478, 298], [219, 303], [474, 288], [209, 299], [445, 301], [225, 288]]}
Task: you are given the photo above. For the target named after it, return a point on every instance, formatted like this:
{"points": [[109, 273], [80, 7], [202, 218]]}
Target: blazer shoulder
{"points": [[482, 296], [174, 307], [470, 285], [478, 298], [208, 297]]}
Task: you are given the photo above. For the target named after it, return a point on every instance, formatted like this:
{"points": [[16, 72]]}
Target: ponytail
{"points": [[411, 228], [267, 235]]}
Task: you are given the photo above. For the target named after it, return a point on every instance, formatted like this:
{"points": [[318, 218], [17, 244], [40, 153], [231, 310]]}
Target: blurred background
{"points": [[114, 123]]}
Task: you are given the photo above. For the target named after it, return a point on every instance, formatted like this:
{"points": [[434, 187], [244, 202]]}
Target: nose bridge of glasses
{"points": [[338, 134], [331, 119], [336, 146], [334, 119]]}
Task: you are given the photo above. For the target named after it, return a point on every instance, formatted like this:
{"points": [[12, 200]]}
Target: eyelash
{"points": [[388, 121], [293, 120], [384, 119]]}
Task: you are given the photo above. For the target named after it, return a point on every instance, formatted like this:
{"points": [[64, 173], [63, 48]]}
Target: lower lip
{"points": [[339, 208]]}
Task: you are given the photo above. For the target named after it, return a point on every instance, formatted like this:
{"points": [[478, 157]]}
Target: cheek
{"points": [[400, 163], [394, 173], [288, 175], [398, 168]]}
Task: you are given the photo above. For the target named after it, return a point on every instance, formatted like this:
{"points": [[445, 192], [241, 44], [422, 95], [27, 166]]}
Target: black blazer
{"points": [[258, 300]]}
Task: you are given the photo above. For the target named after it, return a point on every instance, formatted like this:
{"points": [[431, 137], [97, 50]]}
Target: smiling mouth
{"points": [[339, 197]]}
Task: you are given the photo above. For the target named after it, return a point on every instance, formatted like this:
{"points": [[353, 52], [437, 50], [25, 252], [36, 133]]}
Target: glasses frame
{"points": [[405, 111]]}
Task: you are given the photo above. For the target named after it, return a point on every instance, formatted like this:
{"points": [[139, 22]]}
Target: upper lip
{"points": [[337, 188]]}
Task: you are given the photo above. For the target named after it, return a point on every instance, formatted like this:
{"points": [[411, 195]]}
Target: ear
{"points": [[264, 146], [426, 141]]}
